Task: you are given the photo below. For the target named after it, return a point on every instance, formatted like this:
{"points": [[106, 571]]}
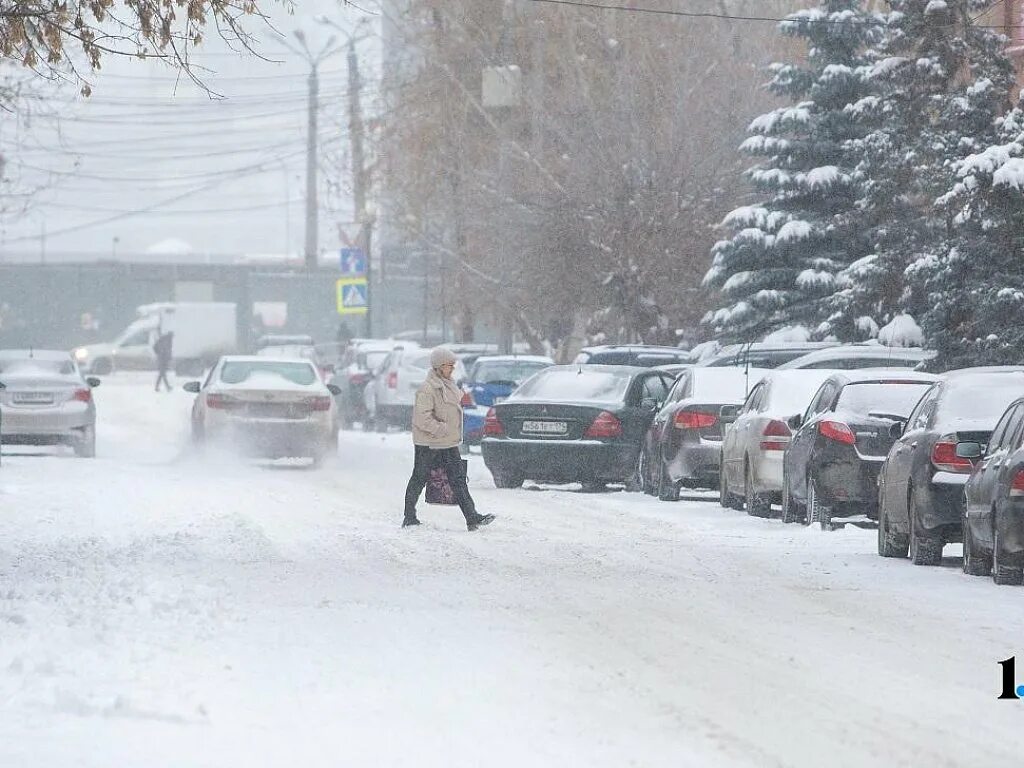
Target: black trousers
{"points": [[426, 460], [162, 377]]}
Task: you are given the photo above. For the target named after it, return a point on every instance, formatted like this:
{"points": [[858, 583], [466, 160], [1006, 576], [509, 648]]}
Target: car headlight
{"points": [[81, 354]]}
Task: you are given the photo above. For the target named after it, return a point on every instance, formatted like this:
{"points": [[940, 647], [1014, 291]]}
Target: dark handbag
{"points": [[439, 488]]}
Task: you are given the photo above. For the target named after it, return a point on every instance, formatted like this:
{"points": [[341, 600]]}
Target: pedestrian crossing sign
{"points": [[353, 296]]}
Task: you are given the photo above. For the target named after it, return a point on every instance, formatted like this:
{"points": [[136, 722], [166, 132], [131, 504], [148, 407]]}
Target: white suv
{"points": [[391, 394]]}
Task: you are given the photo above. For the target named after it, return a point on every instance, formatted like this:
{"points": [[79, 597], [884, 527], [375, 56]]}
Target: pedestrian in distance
{"points": [[437, 435], [164, 350]]}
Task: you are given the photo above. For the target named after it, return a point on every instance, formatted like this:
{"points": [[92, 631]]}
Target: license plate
{"points": [[546, 427], [33, 398]]}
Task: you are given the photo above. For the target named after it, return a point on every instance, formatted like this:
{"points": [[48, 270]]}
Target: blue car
{"points": [[491, 380]]}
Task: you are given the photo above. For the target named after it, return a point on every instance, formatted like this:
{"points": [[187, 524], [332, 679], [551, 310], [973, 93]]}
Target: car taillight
{"points": [[944, 457], [82, 395], [467, 399], [492, 425], [694, 420], [220, 402], [836, 430], [1017, 484], [319, 403], [779, 432], [605, 425], [393, 380]]}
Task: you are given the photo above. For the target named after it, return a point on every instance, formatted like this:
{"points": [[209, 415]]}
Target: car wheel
{"points": [[816, 511], [890, 543], [667, 490], [1003, 574], [645, 472], [757, 504], [727, 498], [792, 511], [975, 562], [925, 548], [635, 482], [85, 448], [507, 480]]}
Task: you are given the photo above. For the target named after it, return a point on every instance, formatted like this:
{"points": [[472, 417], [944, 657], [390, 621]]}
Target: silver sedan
{"points": [[756, 441], [44, 400]]}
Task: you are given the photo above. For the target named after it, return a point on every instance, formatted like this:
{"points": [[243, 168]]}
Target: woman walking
{"points": [[437, 434]]}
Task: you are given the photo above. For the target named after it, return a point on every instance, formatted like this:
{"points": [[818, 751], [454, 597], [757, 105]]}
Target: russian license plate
{"points": [[546, 427], [33, 398]]}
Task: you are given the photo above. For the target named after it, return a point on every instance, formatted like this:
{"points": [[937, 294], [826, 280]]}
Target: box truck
{"points": [[203, 331]]}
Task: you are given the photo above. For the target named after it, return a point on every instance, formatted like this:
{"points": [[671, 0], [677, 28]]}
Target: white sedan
{"points": [[269, 407]]}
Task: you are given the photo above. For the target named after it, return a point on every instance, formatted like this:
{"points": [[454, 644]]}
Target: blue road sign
{"points": [[353, 262], [353, 296]]}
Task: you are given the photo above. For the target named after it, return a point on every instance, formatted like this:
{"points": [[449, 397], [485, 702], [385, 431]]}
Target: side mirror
{"points": [[896, 429], [649, 404], [969, 450], [729, 413], [193, 387], [93, 382], [334, 389], [2, 385], [795, 422]]}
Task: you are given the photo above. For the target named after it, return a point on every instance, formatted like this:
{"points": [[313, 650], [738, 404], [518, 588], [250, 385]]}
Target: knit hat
{"points": [[441, 356]]}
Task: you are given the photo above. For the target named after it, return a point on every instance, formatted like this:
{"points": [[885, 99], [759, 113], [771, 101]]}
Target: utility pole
{"points": [[312, 254], [355, 134], [312, 209]]}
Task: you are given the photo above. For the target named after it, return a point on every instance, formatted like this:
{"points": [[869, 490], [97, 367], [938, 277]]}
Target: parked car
{"points": [[270, 407], [993, 521], [921, 484], [354, 372], [683, 445], [757, 438], [491, 380], [852, 356], [574, 424], [764, 354], [390, 395], [830, 468], [44, 400], [644, 355]]}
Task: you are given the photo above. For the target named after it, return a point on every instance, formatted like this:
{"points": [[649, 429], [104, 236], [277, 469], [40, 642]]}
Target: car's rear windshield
{"points": [[723, 385], [236, 371], [511, 371], [981, 399], [371, 360], [898, 398], [28, 365], [421, 361], [793, 394], [570, 385]]}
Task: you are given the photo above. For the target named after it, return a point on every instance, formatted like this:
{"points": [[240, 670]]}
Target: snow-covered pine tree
{"points": [[938, 83], [785, 251], [976, 287]]}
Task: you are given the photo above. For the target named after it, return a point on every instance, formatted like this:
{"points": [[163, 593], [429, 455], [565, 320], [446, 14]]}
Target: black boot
{"points": [[409, 521], [476, 521]]}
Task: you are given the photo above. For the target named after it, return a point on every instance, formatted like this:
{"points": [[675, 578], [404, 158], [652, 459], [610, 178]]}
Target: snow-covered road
{"points": [[159, 608]]}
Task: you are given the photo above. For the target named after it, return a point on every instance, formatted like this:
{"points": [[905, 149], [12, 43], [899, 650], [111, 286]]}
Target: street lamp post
{"points": [[312, 249]]}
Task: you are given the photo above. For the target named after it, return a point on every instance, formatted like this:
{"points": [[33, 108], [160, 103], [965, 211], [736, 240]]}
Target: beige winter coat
{"points": [[437, 415]]}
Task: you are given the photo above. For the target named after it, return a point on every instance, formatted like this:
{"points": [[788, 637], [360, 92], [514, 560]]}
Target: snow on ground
{"points": [[162, 608]]}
